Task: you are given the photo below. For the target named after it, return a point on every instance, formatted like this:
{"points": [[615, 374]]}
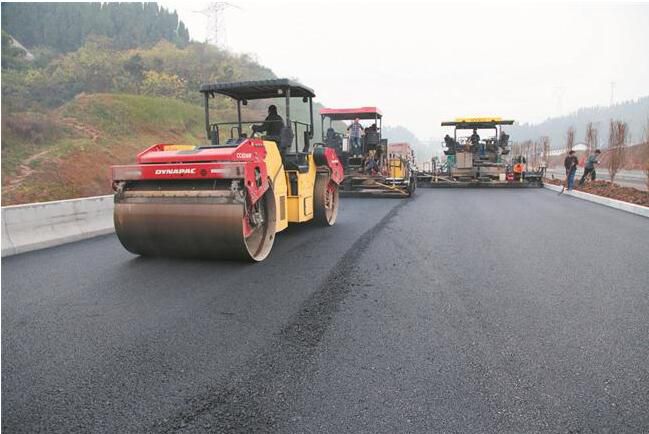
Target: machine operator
{"points": [[475, 142], [272, 125]]}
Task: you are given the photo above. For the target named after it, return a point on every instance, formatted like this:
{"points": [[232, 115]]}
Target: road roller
{"points": [[228, 198]]}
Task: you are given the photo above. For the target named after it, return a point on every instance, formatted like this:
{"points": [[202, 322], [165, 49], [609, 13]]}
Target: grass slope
{"points": [[66, 153]]}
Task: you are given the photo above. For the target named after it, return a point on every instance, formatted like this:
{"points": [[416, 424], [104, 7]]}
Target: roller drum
{"points": [[203, 224]]}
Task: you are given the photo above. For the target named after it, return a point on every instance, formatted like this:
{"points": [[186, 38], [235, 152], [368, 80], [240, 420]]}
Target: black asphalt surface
{"points": [[457, 311]]}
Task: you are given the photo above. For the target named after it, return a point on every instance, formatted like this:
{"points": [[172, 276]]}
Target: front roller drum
{"points": [[196, 227], [326, 198]]}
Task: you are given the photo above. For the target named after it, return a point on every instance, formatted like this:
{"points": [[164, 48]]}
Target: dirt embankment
{"points": [[67, 152], [610, 190]]}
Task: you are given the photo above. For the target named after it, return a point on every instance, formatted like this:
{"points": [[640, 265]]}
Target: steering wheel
{"points": [[253, 132]]}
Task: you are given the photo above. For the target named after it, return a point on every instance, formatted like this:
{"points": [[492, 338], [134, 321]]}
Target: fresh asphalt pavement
{"points": [[456, 311]]}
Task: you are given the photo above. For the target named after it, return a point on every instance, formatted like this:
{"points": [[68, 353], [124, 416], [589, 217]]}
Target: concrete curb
{"points": [[39, 225], [612, 203]]}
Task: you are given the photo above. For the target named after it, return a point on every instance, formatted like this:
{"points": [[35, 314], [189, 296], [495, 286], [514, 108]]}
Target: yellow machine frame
{"points": [[293, 208], [396, 168]]}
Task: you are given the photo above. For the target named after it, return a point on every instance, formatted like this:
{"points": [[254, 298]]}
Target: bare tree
{"points": [[570, 139], [591, 138], [617, 135], [526, 148], [545, 146], [645, 152]]}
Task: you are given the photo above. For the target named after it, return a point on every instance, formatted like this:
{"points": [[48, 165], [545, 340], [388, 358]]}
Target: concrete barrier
{"points": [[38, 225], [613, 203]]}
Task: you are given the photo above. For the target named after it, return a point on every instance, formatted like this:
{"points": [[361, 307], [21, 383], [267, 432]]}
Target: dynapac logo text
{"points": [[175, 171]]}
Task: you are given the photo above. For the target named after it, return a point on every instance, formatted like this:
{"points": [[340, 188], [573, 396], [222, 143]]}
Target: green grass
{"points": [[125, 115], [114, 117]]}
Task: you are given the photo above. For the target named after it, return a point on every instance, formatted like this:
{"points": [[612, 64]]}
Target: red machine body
{"points": [[245, 161]]}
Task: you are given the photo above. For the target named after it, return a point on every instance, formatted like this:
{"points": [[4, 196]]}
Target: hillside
{"points": [[65, 153], [399, 133]]}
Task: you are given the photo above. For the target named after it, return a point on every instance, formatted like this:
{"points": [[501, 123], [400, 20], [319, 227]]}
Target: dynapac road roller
{"points": [[229, 198]]}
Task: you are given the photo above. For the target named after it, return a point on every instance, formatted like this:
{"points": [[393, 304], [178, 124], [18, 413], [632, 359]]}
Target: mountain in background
{"points": [[635, 113], [399, 133]]}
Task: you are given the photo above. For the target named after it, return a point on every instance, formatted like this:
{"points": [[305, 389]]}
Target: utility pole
{"points": [[612, 92], [214, 21]]}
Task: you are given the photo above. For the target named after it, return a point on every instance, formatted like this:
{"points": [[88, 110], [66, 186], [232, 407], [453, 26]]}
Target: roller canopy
{"points": [[351, 113], [259, 89]]}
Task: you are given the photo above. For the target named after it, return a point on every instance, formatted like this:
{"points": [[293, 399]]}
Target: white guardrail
{"points": [[38, 225]]}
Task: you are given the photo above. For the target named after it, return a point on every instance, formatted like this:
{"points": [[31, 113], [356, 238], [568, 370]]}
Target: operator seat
{"points": [[372, 140], [292, 160]]}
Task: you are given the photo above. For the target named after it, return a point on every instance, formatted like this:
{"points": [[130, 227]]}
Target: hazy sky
{"points": [[423, 62]]}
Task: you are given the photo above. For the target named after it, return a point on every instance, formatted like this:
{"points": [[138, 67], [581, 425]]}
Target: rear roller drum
{"points": [[325, 200]]}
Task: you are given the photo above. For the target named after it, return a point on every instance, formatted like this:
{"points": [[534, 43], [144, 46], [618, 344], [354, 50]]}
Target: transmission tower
{"points": [[215, 24]]}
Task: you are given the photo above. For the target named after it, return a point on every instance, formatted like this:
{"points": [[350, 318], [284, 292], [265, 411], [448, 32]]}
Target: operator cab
{"points": [[491, 141], [371, 118], [295, 136]]}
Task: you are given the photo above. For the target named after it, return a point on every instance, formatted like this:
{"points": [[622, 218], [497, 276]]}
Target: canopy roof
{"points": [[470, 123], [352, 113], [259, 89]]}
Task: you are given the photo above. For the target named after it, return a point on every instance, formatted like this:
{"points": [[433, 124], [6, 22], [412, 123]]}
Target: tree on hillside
{"points": [[617, 147], [65, 26], [99, 67]]}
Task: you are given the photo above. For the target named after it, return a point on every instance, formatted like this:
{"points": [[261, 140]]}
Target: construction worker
{"points": [[371, 129], [475, 140], [589, 167], [450, 144], [371, 165], [504, 139], [570, 163], [272, 125], [355, 132]]}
